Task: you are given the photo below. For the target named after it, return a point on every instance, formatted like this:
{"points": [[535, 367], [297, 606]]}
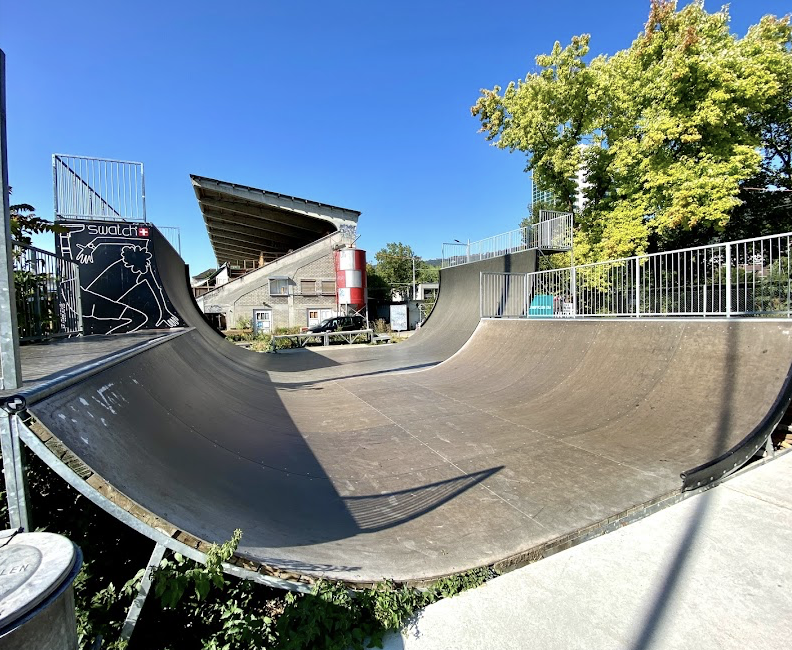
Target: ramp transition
{"points": [[528, 434]]}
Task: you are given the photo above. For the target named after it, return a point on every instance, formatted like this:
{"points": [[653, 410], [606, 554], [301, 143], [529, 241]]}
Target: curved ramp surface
{"points": [[451, 323], [530, 433]]}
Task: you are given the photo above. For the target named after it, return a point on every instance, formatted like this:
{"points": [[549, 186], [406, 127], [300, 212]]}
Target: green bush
{"points": [[198, 606], [380, 326]]}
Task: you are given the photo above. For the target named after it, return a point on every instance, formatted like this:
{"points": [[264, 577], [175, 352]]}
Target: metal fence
{"points": [[749, 277], [503, 295], [98, 188], [47, 290], [173, 235], [553, 234]]}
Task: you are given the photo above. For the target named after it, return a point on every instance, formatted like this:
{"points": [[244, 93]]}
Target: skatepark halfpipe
{"points": [[474, 443]]}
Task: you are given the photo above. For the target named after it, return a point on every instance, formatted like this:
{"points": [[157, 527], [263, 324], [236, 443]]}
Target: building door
{"points": [[316, 316], [262, 321]]}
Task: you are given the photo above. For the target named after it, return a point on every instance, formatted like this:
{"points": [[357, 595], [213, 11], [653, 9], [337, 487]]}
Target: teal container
{"points": [[541, 307]]}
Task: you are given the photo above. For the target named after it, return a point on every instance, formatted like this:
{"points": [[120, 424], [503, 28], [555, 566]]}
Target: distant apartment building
{"points": [[548, 200], [544, 197]]}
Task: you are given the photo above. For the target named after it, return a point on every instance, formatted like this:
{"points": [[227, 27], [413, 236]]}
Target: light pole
{"points": [[467, 249], [413, 282]]}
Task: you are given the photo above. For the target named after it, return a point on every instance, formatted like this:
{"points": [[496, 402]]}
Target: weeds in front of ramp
{"points": [[198, 606]]}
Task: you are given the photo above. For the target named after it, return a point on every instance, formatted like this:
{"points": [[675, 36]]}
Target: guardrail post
{"points": [[10, 367], [143, 591], [573, 287], [37, 326], [526, 305], [13, 469], [481, 295], [637, 289], [728, 281]]}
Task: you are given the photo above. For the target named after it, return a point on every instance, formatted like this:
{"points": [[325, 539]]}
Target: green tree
{"points": [[394, 270], [378, 289], [667, 131], [24, 222], [534, 210]]}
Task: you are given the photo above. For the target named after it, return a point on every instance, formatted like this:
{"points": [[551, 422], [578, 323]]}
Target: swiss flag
{"points": [[143, 232]]}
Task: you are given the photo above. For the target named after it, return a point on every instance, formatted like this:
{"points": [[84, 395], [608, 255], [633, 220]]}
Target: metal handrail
{"points": [[746, 277], [549, 234], [303, 338], [48, 294]]}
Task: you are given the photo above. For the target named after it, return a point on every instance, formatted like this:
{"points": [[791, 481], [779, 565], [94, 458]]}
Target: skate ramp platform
{"points": [[533, 434]]}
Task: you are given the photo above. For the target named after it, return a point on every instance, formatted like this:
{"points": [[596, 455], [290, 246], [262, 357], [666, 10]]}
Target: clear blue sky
{"points": [[364, 105]]}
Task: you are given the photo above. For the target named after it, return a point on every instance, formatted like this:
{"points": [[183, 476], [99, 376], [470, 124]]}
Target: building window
{"points": [[328, 287], [279, 286], [308, 287]]}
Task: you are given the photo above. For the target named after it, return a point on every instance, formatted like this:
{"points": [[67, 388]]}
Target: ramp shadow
{"points": [[381, 511], [210, 449]]}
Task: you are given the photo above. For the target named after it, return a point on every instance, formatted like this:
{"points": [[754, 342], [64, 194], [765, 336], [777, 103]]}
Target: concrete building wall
{"points": [[241, 298]]}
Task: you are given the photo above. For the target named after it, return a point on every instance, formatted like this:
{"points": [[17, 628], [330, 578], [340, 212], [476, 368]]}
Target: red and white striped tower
{"points": [[350, 265]]}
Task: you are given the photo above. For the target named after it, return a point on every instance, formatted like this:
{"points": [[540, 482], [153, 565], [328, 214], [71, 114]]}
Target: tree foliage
{"points": [[24, 222], [667, 131], [393, 271]]}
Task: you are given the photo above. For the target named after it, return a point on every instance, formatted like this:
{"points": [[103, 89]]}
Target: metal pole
{"points": [[10, 367], [143, 591], [728, 281], [143, 198], [481, 295], [789, 283], [413, 282], [637, 288], [574, 292], [13, 467], [55, 186]]}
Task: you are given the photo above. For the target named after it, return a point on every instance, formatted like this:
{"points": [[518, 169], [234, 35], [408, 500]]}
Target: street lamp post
{"points": [[413, 282]]}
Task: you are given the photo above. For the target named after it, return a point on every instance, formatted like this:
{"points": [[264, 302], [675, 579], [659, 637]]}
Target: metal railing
{"points": [[549, 234], [173, 235], [98, 188], [325, 338], [47, 290], [503, 295], [750, 277]]}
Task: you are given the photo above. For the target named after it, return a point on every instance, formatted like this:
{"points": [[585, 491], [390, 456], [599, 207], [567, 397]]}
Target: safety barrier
{"points": [[98, 188], [554, 234], [173, 235], [749, 277], [47, 291]]}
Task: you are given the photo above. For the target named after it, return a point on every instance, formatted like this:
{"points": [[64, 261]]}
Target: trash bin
{"points": [[36, 595]]}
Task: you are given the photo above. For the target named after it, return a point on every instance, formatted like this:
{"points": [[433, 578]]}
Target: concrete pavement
{"points": [[714, 571]]}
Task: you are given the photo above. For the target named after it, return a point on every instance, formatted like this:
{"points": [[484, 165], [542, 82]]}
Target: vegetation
{"points": [[381, 326], [393, 272], [672, 133], [24, 223], [198, 606], [35, 290], [265, 343], [244, 323]]}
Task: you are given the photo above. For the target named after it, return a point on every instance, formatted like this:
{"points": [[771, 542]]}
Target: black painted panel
{"points": [[121, 287]]}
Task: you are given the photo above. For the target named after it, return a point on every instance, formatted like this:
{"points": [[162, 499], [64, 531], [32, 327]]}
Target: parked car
{"points": [[339, 324]]}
